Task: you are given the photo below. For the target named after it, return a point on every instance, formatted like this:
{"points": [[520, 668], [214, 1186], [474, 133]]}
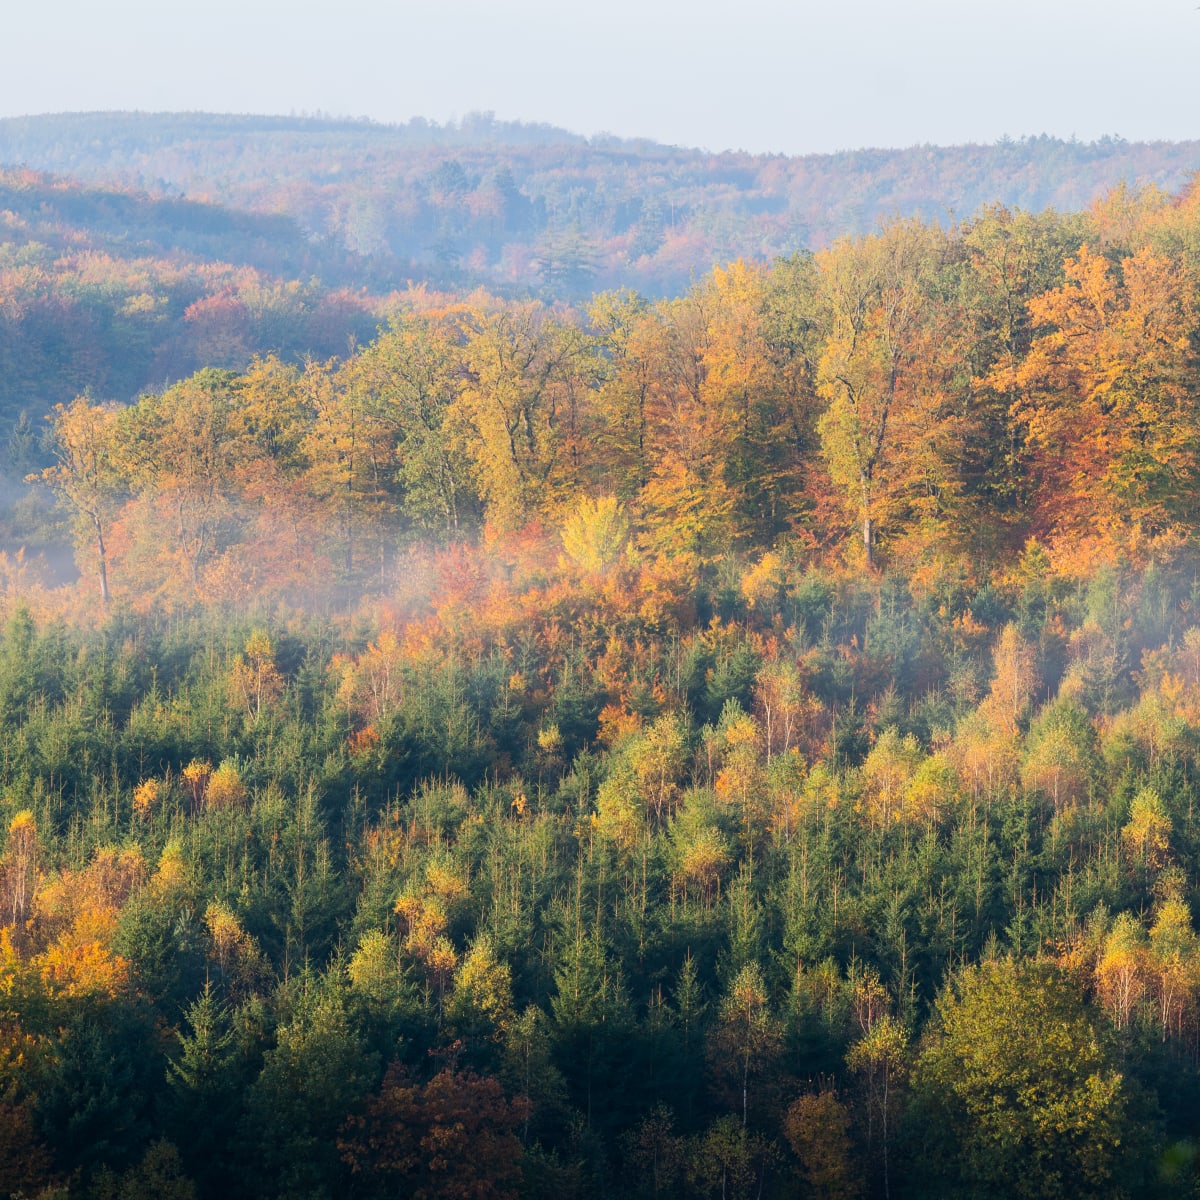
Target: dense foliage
{"points": [[115, 293], [738, 745], [508, 205]]}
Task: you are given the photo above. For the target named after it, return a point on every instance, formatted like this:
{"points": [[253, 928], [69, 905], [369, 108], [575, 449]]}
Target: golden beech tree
{"points": [[687, 500], [147, 797], [185, 452], [628, 330], [281, 528], [891, 430], [412, 373], [703, 857], [595, 534], [87, 475], [80, 961], [687, 508], [351, 461], [523, 409], [272, 408], [1010, 257], [756, 406], [792, 326]]}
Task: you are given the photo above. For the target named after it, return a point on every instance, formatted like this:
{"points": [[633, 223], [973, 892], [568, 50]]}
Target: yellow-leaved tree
{"points": [[893, 430], [595, 533], [86, 475]]}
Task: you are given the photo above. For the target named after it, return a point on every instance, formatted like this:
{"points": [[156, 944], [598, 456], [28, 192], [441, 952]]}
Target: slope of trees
{"points": [[948, 393], [737, 745], [849, 889], [504, 205], [116, 293]]}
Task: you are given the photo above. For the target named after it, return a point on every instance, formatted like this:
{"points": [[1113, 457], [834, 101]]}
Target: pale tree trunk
{"points": [[868, 526], [102, 561]]}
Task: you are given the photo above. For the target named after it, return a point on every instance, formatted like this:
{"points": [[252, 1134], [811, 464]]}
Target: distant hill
{"points": [[531, 207], [58, 212], [163, 243], [118, 292]]}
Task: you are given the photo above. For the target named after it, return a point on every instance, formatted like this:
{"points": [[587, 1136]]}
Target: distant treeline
{"points": [[506, 205], [116, 293]]}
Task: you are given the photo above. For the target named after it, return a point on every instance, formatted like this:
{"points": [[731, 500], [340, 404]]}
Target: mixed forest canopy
{"points": [[137, 248], [739, 743], [506, 205]]}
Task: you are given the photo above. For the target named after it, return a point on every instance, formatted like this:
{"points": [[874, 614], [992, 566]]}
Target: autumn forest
{"points": [[740, 741]]}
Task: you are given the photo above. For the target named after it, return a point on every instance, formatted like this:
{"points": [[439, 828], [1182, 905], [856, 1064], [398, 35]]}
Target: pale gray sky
{"points": [[761, 75]]}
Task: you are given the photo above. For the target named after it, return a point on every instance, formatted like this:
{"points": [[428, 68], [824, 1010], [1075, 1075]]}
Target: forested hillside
{"points": [[740, 744], [512, 206], [199, 240], [116, 293]]}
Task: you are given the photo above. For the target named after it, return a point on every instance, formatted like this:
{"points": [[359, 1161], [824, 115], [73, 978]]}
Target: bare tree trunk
{"points": [[102, 557]]}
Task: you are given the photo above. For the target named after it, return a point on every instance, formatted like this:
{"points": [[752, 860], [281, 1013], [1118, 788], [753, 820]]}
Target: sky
{"points": [[766, 76]]}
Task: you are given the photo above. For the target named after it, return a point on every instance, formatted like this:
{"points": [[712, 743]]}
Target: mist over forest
{"points": [[535, 666]]}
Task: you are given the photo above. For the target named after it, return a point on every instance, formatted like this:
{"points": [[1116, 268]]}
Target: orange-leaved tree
{"points": [[1105, 400], [453, 1138]]}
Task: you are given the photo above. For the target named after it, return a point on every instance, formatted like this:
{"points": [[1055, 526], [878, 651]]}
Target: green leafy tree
{"points": [[731, 1161], [317, 1073], [185, 452], [1019, 1076], [410, 374], [890, 430], [159, 1176], [880, 1060], [521, 410], [744, 1044]]}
